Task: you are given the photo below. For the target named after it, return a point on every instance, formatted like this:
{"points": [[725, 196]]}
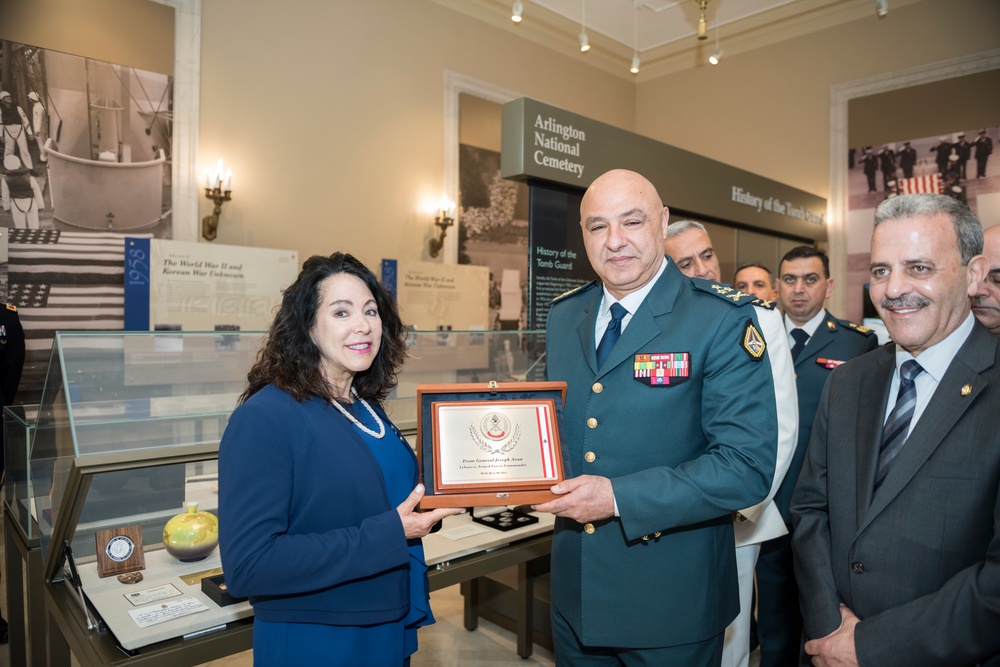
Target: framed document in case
{"points": [[489, 444]]}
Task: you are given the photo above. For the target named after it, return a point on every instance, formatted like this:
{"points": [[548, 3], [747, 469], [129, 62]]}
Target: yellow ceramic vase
{"points": [[192, 535]]}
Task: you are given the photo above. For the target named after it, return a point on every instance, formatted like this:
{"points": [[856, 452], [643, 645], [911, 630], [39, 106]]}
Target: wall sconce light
{"points": [[218, 189], [881, 8], [444, 220]]}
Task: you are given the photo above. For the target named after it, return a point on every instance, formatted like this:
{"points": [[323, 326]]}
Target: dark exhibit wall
{"points": [[557, 258]]}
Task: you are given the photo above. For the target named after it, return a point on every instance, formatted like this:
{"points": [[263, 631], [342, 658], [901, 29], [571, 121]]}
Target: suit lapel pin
{"points": [[966, 390]]}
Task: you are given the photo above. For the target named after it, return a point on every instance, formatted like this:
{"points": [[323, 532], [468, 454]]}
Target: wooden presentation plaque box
{"points": [[489, 443]]}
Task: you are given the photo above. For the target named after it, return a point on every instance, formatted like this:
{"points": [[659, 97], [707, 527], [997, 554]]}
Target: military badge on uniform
{"points": [[828, 363], [662, 368], [753, 342]]}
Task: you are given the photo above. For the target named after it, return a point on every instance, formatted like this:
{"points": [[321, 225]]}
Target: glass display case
{"points": [[127, 432]]}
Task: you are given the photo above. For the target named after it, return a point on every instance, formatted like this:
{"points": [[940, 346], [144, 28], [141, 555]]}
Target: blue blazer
{"points": [[306, 529], [681, 458]]}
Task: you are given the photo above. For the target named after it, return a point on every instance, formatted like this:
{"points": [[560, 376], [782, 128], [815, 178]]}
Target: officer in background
{"points": [[963, 149], [984, 149], [38, 127], [757, 279], [942, 149], [986, 301], [887, 163], [820, 342], [11, 364], [11, 361], [907, 159], [869, 162], [689, 245]]}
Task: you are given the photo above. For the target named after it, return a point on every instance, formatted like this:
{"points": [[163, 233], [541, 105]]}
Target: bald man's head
{"points": [[624, 222]]}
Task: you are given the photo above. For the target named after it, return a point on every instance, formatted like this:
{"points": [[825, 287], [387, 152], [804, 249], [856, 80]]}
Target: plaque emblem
{"points": [[495, 426], [119, 548], [494, 435]]}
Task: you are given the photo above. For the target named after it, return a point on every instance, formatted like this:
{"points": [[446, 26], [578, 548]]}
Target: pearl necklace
{"points": [[353, 420]]}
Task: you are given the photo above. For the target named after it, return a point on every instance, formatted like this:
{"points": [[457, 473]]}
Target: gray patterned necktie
{"points": [[897, 426]]}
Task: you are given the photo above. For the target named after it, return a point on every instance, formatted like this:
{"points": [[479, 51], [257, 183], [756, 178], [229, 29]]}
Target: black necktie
{"points": [[800, 337], [611, 334], [897, 426]]}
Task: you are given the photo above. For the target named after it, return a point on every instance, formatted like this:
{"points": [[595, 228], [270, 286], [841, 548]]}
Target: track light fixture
{"points": [[584, 42], [881, 8], [717, 56], [515, 11], [702, 23], [635, 38]]}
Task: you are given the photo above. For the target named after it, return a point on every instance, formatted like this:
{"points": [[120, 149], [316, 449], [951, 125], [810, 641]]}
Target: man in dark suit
{"points": [[887, 163], [963, 149], [897, 512], [984, 149], [941, 150], [11, 364], [986, 301], [11, 359], [869, 162], [820, 342], [670, 418], [907, 159]]}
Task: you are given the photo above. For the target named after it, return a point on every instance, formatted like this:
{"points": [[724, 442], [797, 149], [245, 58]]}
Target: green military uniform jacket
{"points": [[681, 456]]}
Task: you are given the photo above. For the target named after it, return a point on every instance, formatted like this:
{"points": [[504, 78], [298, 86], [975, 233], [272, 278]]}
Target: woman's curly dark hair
{"points": [[291, 360]]}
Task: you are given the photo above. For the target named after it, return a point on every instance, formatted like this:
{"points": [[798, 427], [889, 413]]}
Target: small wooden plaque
{"points": [[119, 550]]}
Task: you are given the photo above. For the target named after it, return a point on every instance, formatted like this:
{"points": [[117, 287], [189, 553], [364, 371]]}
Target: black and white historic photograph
{"points": [[86, 162], [960, 164]]}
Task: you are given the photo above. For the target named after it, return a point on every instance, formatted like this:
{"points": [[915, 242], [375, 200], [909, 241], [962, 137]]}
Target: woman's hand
{"points": [[416, 523]]}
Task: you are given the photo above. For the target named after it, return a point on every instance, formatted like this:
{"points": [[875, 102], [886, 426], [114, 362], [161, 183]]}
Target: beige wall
{"points": [[768, 111], [140, 34], [331, 114]]}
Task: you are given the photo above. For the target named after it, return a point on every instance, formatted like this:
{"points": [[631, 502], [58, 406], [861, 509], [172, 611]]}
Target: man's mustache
{"points": [[906, 301]]}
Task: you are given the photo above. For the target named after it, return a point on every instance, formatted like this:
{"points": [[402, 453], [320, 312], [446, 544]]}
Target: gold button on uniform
{"points": [[590, 457], [589, 528], [598, 388], [592, 423]]}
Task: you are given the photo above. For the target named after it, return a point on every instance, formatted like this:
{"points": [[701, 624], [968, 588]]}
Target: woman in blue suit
{"points": [[317, 488]]}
